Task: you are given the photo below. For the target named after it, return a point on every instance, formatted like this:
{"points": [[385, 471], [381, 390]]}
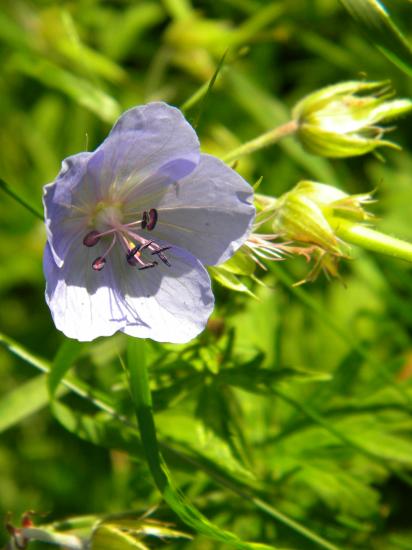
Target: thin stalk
{"points": [[204, 91], [142, 399], [6, 188], [262, 141], [370, 239]]}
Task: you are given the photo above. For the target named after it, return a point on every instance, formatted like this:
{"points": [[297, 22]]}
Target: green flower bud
{"points": [[299, 217], [305, 215], [343, 120]]}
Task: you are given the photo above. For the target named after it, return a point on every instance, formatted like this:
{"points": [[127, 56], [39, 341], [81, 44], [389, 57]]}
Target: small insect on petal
{"points": [[133, 251], [92, 238], [130, 256], [99, 263]]}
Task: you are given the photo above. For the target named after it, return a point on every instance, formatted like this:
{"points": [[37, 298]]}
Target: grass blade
{"points": [[374, 19], [139, 385]]}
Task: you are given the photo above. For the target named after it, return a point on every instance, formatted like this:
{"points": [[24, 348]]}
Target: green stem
{"points": [[142, 398], [6, 188], [262, 141], [371, 239]]}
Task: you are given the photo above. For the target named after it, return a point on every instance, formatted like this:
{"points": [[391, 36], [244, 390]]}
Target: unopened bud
{"points": [[308, 214], [344, 120]]}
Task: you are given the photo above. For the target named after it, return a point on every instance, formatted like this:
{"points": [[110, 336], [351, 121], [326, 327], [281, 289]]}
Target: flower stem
{"points": [[371, 239], [266, 139], [7, 189]]}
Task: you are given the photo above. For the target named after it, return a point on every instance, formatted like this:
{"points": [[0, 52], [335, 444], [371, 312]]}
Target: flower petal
{"points": [[209, 213], [154, 139], [173, 302], [83, 302], [168, 304], [65, 220]]}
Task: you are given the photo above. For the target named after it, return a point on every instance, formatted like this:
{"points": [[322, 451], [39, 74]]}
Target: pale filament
{"points": [[132, 243]]}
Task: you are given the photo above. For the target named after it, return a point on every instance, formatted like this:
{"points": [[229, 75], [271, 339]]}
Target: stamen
{"points": [[162, 257], [92, 238], [99, 263], [153, 217], [147, 266], [146, 245], [161, 250], [165, 260], [144, 219]]}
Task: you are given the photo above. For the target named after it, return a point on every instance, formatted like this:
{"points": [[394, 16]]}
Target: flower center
{"points": [[108, 223], [109, 216]]}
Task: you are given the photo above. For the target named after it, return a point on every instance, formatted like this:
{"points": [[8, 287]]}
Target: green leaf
{"points": [[198, 440], [80, 90], [139, 385], [239, 264], [23, 401], [126, 533], [374, 19], [266, 381], [110, 537], [65, 357], [100, 429], [229, 280]]}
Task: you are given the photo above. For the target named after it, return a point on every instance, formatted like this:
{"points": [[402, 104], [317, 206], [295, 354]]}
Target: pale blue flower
{"points": [[131, 226]]}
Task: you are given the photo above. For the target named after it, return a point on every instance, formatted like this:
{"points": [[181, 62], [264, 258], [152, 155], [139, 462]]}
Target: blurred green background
{"points": [[316, 419]]}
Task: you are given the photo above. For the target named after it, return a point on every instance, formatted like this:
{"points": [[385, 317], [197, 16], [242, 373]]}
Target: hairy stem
{"points": [[373, 240], [262, 141]]}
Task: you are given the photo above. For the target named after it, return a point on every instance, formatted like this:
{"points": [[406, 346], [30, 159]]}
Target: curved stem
{"points": [[262, 141], [7, 189], [371, 239]]}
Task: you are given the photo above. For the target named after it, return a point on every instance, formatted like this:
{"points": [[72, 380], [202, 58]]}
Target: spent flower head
{"points": [[345, 119], [131, 226]]}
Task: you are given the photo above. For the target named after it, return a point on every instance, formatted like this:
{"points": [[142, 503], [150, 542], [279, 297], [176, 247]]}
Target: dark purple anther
{"points": [[92, 238], [98, 263], [165, 260], [144, 219], [146, 245], [161, 250], [152, 219], [147, 266], [161, 256]]}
